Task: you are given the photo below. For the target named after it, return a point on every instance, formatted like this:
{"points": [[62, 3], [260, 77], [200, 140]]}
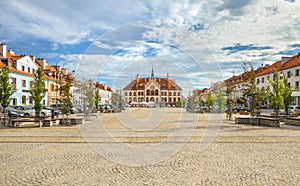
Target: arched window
{"points": [[174, 93], [130, 94], [148, 92], [156, 92], [23, 100], [152, 92], [170, 93]]}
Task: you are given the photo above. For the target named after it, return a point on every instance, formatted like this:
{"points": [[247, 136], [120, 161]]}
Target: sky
{"points": [[110, 41]]}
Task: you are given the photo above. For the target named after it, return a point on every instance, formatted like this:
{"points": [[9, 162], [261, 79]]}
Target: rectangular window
{"points": [[262, 80], [23, 83], [28, 70], [14, 83], [14, 101], [289, 74], [297, 72], [297, 84], [33, 71], [30, 100], [31, 84]]}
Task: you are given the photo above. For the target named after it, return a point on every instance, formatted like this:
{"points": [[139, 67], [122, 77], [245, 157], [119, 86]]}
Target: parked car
{"points": [[59, 107], [239, 108], [29, 111], [11, 112], [106, 108], [56, 112]]}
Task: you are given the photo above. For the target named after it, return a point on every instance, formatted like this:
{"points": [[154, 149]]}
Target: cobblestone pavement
{"points": [[238, 155]]}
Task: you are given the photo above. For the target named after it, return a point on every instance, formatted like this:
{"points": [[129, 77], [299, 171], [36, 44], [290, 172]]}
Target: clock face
{"points": [[152, 87]]}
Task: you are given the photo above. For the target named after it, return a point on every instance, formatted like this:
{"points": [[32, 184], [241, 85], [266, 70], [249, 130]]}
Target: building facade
{"points": [[290, 66], [152, 89]]}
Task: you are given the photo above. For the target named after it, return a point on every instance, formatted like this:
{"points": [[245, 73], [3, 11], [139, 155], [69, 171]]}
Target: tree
{"points": [[6, 89], [38, 91], [276, 95], [209, 100], [252, 92], [66, 95], [200, 100], [97, 99], [220, 98], [229, 101], [287, 94]]}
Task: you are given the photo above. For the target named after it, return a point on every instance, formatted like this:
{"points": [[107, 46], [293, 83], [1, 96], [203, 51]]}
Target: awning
{"points": [[296, 93]]}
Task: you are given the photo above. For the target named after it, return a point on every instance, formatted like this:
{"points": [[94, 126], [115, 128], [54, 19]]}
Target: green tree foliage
{"points": [[229, 100], [287, 94], [200, 100], [209, 100], [90, 99], [65, 94], [5, 89], [219, 98], [276, 95], [38, 91], [252, 92], [97, 98]]}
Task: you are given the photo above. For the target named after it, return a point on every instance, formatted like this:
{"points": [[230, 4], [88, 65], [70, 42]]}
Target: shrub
{"points": [[295, 114]]}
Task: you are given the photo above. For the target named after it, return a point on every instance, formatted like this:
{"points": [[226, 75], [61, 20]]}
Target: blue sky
{"points": [[196, 42]]}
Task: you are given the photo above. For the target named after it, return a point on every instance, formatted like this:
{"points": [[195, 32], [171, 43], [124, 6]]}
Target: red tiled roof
{"points": [[292, 62], [165, 84]]}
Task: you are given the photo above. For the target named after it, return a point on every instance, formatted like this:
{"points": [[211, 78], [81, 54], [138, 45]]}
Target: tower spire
{"points": [[152, 73]]}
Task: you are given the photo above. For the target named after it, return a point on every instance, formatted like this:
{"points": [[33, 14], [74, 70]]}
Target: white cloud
{"points": [[198, 30]]}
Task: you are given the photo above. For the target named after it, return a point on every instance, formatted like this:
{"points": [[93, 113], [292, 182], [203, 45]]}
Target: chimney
{"points": [[284, 60], [168, 76], [137, 76], [41, 62], [11, 51], [298, 58], [3, 50]]}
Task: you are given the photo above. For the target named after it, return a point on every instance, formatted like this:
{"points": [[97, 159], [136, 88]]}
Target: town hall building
{"points": [[152, 89]]}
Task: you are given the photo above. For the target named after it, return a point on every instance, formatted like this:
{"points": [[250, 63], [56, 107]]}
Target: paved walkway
{"points": [[187, 149]]}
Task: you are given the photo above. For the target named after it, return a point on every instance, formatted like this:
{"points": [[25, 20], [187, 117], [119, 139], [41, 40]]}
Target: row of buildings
{"points": [[23, 68], [290, 66]]}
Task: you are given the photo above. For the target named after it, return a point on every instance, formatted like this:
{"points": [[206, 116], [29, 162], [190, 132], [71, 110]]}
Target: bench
{"points": [[16, 122], [51, 122], [270, 122], [71, 121], [292, 121], [260, 121]]}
